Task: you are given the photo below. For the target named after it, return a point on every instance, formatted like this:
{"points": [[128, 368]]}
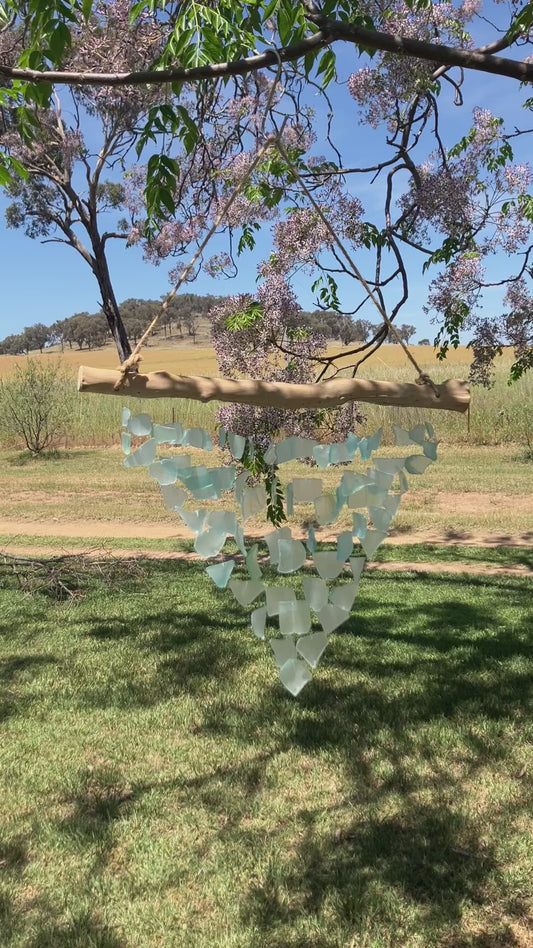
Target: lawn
{"points": [[160, 788]]}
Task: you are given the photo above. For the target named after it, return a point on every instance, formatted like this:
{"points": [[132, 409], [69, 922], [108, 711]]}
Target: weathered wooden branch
{"points": [[452, 395]]}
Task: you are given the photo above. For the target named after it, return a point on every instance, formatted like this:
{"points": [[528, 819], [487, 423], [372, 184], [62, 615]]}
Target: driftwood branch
{"points": [[453, 395]]}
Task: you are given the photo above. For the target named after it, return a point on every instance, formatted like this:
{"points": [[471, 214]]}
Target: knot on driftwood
{"points": [[131, 365], [424, 379]]}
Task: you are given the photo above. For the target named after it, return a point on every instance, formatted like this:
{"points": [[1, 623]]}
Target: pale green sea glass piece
{"points": [[367, 446], [289, 449], [222, 520], [352, 443], [371, 496], [240, 482], [331, 617], [284, 650], [294, 675], [359, 526], [258, 621], [197, 438], [126, 415], [321, 454], [327, 565], [294, 618], [165, 472], [254, 501], [277, 594], [357, 564], [430, 430], [404, 483], [289, 498], [418, 434], [389, 465], [168, 434], [311, 647], [380, 478], [344, 545], [343, 596], [417, 464], [222, 437], [351, 482], [311, 539], [315, 592], [270, 455], [292, 556], [381, 518], [195, 478], [339, 454], [401, 437], [430, 450], [237, 444], [209, 543], [182, 460], [239, 539], [221, 572], [143, 456], [252, 566], [125, 440], [371, 542], [306, 489], [140, 425], [193, 519], [325, 509], [392, 503], [272, 541], [246, 590], [174, 497]]}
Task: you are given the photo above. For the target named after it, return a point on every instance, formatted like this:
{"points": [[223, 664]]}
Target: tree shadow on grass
{"points": [[13, 668]]}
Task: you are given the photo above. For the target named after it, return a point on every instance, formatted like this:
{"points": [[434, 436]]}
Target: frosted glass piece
{"points": [[368, 445], [222, 520], [252, 566], [251, 449], [343, 596], [306, 489], [140, 425], [404, 483], [315, 592], [270, 455], [223, 478], [182, 460], [380, 478], [209, 543], [371, 496], [292, 555], [351, 482], [165, 472], [193, 519], [284, 650], [352, 443], [125, 440], [195, 478], [325, 509], [272, 541], [220, 573], [240, 481], [327, 565], [331, 617], [401, 437], [258, 619], [143, 456], [418, 434], [392, 503], [289, 449], [168, 434], [389, 465], [372, 541], [321, 454], [222, 437], [174, 497], [237, 444], [430, 450], [246, 590], [239, 539], [359, 526], [311, 539], [381, 518], [344, 546], [254, 501], [294, 675], [430, 430], [339, 454], [311, 647], [126, 415], [277, 594], [417, 464], [294, 618], [356, 565], [197, 438], [289, 499]]}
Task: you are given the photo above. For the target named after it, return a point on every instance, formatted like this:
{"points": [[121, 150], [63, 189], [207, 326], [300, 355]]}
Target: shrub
{"points": [[33, 404]]}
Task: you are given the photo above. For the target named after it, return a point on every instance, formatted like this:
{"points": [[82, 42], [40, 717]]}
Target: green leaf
{"points": [[245, 318]]}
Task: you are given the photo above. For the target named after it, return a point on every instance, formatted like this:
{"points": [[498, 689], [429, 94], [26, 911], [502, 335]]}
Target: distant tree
{"points": [[424, 342], [406, 332], [13, 345], [37, 336]]}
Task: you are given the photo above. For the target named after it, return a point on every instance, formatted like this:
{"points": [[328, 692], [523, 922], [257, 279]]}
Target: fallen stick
{"points": [[453, 395]]}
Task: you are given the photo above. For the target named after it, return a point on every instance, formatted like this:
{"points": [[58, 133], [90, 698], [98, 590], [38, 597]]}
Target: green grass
{"points": [[159, 788]]}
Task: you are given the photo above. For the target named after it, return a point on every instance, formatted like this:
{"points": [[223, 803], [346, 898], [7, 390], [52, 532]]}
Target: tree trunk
{"points": [[110, 305]]}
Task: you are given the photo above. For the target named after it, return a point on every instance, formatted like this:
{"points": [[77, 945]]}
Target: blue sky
{"points": [[46, 282]]}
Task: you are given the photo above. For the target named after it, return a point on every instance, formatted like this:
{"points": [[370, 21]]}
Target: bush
{"points": [[33, 404]]}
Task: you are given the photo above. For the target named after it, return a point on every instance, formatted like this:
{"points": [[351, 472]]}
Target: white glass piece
{"points": [[321, 454], [222, 520], [327, 565], [292, 555], [294, 675], [430, 450], [359, 526], [294, 618], [140, 425], [240, 481], [125, 440], [325, 509], [237, 444], [165, 472], [417, 464], [331, 617], [209, 543], [404, 483], [272, 541], [284, 650], [246, 590], [143, 456], [368, 445], [306, 489], [197, 438], [311, 647], [193, 519], [270, 455], [339, 454], [389, 465], [258, 619], [380, 478], [372, 541], [222, 437], [315, 592], [343, 596], [311, 539], [168, 434], [220, 573], [252, 566], [356, 565], [344, 545], [277, 594], [126, 415], [289, 499], [381, 518], [174, 497], [254, 501]]}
